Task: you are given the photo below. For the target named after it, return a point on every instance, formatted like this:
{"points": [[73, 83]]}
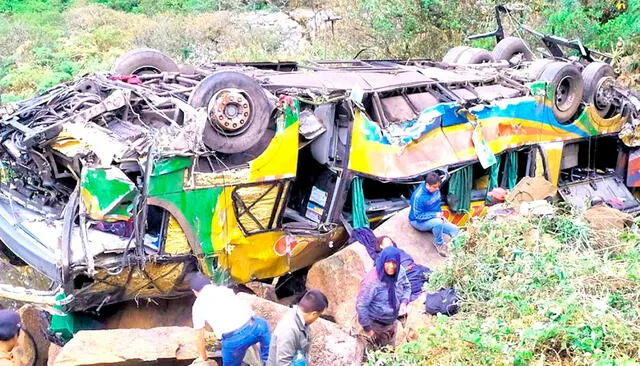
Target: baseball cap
{"points": [[9, 324]]}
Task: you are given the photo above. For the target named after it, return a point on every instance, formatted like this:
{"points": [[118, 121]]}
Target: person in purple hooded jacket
{"points": [[383, 296]]}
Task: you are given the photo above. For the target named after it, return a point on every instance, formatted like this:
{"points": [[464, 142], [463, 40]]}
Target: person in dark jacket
{"points": [[10, 326], [426, 212], [366, 237], [417, 274], [383, 296], [291, 335]]}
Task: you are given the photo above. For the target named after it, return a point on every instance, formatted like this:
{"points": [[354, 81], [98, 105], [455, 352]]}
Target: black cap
{"points": [[197, 280], [9, 324]]}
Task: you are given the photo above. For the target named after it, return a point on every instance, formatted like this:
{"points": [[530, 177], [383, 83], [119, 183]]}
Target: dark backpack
{"points": [[444, 302]]}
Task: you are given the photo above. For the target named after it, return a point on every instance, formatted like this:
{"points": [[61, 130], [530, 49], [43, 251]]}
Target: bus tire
{"points": [[567, 89], [592, 74], [144, 61], [474, 56], [453, 54], [511, 47], [536, 68], [238, 111]]}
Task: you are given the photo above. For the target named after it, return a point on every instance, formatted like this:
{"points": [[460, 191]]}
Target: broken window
{"points": [[460, 186], [380, 199], [590, 158], [595, 167], [311, 191], [258, 208], [472, 182]]}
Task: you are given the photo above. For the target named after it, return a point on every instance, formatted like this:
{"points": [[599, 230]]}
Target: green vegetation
{"points": [[535, 290], [50, 41], [182, 6]]}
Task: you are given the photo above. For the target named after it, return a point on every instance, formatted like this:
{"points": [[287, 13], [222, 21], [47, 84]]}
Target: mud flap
{"points": [[610, 188]]}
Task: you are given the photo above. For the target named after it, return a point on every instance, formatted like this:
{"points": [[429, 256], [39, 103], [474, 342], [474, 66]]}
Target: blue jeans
{"points": [[235, 346], [438, 226]]}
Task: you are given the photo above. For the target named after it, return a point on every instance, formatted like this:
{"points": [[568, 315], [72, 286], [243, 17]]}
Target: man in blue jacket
{"points": [[426, 212]]}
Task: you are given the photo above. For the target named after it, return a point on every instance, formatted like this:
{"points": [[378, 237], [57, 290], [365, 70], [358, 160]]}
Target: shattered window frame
{"points": [[242, 208]]}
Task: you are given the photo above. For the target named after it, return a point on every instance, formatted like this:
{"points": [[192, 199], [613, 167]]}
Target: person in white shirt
{"points": [[230, 318]]}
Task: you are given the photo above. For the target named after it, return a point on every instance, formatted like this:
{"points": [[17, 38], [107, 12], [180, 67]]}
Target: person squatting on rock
{"points": [[383, 296], [417, 274], [290, 340], [9, 331], [426, 212], [230, 318]]}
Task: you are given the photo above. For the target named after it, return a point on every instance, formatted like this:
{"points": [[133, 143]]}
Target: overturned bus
{"points": [[117, 184]]}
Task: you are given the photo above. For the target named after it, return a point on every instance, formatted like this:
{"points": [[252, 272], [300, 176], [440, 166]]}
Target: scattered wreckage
{"points": [[117, 184]]}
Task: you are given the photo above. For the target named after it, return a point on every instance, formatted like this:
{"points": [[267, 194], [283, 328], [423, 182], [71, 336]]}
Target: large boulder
{"points": [[52, 353], [129, 347], [338, 277], [417, 318], [35, 345], [263, 290], [330, 345], [417, 243]]}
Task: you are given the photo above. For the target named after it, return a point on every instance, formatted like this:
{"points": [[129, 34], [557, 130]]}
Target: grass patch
{"points": [[535, 291]]}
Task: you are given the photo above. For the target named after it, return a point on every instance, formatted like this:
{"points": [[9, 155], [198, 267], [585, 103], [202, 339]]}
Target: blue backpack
{"points": [[444, 302]]}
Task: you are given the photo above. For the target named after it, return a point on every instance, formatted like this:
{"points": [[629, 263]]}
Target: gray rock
{"points": [[338, 277], [128, 346], [330, 345]]}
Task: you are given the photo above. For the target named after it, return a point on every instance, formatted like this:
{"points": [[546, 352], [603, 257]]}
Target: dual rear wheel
{"points": [[570, 86], [238, 110]]}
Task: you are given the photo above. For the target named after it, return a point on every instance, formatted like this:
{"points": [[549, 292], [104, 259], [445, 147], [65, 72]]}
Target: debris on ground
{"points": [[531, 189], [603, 217]]}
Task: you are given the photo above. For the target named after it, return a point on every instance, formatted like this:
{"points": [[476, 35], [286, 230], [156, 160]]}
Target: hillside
{"points": [[51, 41]]}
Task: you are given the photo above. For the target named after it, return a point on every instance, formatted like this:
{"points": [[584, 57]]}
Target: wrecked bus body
{"points": [[118, 184]]}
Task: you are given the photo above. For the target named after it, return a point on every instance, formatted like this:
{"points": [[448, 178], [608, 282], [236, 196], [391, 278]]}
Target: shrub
{"points": [[534, 291]]}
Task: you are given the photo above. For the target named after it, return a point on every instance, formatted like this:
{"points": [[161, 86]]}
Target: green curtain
{"points": [[493, 176], [460, 185], [510, 175], [358, 207]]}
